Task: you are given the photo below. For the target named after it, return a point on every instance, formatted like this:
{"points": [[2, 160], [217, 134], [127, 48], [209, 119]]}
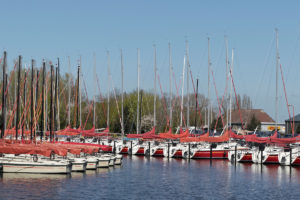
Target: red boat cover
{"points": [[271, 139], [24, 149], [148, 135], [170, 135], [88, 145], [206, 138]]}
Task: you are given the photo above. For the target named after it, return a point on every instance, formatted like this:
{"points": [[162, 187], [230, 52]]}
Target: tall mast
{"points": [[196, 105], [78, 101], [108, 87], [24, 101], [80, 116], [69, 92], [43, 102], [31, 97], [15, 95], [58, 80], [122, 105], [46, 103], [51, 105], [187, 86], [55, 101], [208, 86], [230, 96], [227, 117], [138, 93], [18, 97], [182, 89], [4, 109], [277, 66], [35, 103], [94, 96], [154, 112], [170, 79], [3, 96]]}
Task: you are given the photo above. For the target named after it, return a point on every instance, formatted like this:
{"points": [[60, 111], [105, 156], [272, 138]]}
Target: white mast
{"points": [[208, 92], [230, 96], [69, 92], [138, 94], [58, 108], [80, 94], [277, 66], [108, 88], [170, 78], [154, 115], [122, 106], [46, 103], [187, 86], [227, 117], [182, 87], [94, 97]]}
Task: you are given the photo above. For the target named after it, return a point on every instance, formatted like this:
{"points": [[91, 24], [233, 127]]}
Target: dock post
{"points": [[290, 157], [149, 147], [235, 154], [261, 157], [168, 150], [114, 150], [189, 151], [130, 148], [210, 155]]}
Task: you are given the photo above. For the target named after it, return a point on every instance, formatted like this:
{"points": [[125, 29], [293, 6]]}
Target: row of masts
{"points": [[54, 89], [54, 100]]}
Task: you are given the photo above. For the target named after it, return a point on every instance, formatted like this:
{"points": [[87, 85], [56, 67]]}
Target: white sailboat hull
{"points": [[35, 168]]}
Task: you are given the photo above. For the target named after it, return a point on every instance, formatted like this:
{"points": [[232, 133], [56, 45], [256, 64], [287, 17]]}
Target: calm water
{"points": [[158, 178]]}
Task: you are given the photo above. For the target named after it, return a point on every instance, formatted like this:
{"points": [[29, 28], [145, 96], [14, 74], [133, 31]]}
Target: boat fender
{"points": [[152, 150], [119, 149], [239, 155], [35, 158]]}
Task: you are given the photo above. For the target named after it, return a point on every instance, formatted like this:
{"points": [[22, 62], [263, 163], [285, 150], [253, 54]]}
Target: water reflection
{"points": [[6, 177], [155, 177]]}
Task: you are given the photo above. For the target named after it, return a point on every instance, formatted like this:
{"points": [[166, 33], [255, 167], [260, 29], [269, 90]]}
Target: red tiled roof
{"points": [[247, 115]]}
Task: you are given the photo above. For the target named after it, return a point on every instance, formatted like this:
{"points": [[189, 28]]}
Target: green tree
{"points": [[253, 123]]}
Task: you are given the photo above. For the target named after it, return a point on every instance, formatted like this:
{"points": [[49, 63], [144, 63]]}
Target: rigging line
{"points": [[117, 104], [90, 109], [90, 104], [236, 98], [39, 107], [266, 61], [177, 94], [195, 96], [37, 79], [21, 93], [164, 101], [225, 92], [101, 99], [286, 99], [219, 105], [10, 79]]}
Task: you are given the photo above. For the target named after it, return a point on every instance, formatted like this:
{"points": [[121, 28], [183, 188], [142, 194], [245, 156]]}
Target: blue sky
{"points": [[51, 29]]}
